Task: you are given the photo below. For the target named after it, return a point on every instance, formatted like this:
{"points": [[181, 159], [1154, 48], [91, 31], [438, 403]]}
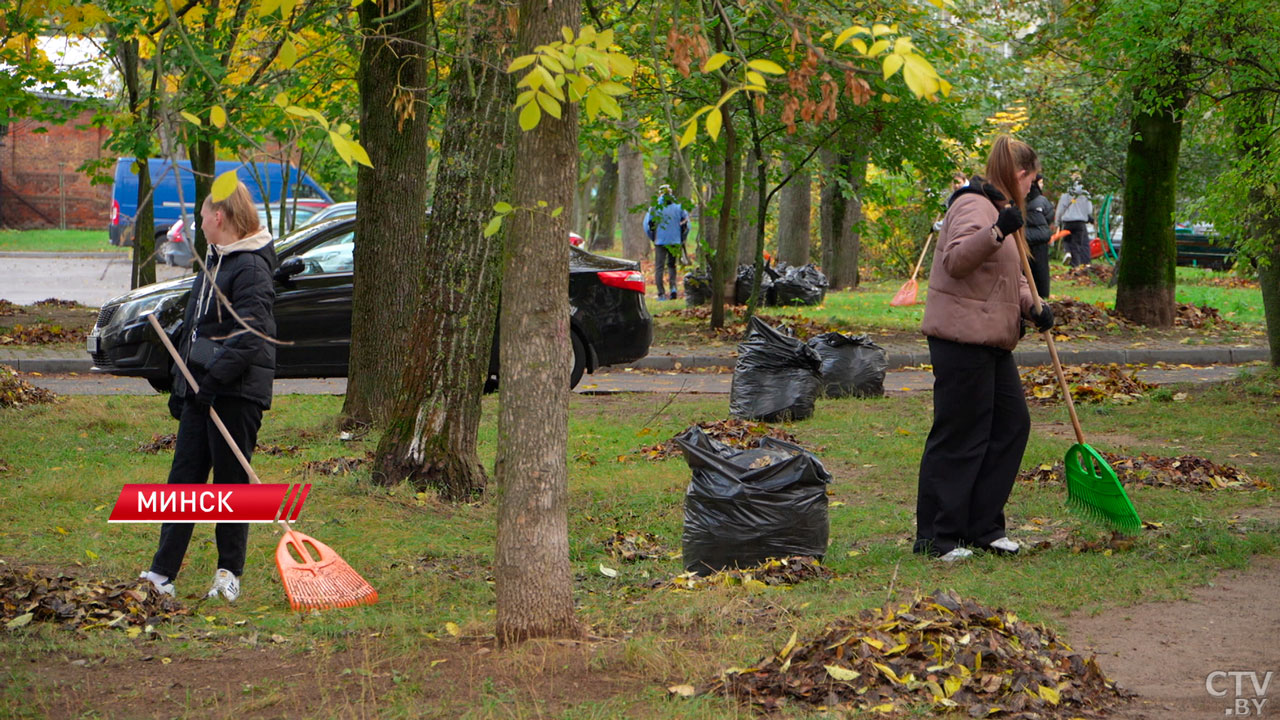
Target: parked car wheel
{"points": [[579, 361]]}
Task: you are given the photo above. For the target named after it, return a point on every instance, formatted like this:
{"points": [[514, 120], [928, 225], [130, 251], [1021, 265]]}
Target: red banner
{"points": [[150, 503]]}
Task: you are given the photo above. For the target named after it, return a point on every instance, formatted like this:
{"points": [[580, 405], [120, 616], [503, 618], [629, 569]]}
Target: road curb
{"points": [[105, 254]]}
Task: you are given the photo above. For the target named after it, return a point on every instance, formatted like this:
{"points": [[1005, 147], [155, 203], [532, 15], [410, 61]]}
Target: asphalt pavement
{"points": [[89, 278]]}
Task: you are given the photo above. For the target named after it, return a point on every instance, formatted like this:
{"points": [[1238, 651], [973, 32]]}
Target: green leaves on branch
{"points": [[580, 69], [895, 54], [339, 136], [751, 80], [503, 209]]}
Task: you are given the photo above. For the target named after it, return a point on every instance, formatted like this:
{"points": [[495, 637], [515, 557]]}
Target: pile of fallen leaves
{"points": [[27, 596], [1227, 280], [777, 572], [336, 466], [1197, 316], [16, 392], [634, 546], [167, 441], [8, 308], [1089, 383], [41, 334], [1091, 274], [735, 433], [1184, 472], [940, 652], [1074, 316]]}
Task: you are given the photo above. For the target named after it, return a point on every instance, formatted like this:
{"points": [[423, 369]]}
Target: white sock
{"points": [[156, 578]]}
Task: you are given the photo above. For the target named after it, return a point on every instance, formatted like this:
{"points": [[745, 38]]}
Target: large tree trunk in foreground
{"points": [[606, 206], [430, 437], [1147, 277], [632, 193], [393, 198], [794, 207], [534, 583]]}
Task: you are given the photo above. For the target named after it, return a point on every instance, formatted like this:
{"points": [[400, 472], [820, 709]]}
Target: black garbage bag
{"points": [[800, 286], [697, 287], [746, 506], [776, 377], [850, 365], [742, 286]]}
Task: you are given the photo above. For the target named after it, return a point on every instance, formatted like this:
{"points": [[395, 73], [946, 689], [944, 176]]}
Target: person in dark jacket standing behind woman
{"points": [[973, 320], [1075, 212], [234, 367], [1039, 231]]}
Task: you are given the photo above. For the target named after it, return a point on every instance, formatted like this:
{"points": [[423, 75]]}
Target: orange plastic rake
{"points": [[906, 294], [321, 583]]}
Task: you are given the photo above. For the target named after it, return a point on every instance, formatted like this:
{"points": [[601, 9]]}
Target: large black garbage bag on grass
{"points": [[697, 287], [800, 286], [742, 285], [850, 365], [743, 507], [776, 377]]}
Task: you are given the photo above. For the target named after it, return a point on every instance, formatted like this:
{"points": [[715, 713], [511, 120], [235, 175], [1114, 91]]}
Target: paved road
{"points": [[26, 278], [897, 382]]}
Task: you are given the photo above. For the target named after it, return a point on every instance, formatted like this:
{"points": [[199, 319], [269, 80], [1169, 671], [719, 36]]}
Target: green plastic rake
{"points": [[1093, 490]]}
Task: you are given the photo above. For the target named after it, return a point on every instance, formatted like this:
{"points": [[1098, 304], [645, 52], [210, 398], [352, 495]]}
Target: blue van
{"points": [[168, 210]]}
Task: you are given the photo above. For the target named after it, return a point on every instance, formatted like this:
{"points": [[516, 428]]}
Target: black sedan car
{"points": [[313, 313]]}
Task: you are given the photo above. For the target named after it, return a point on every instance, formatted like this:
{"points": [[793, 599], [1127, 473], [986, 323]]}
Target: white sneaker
{"points": [[957, 554], [159, 582], [1005, 545], [225, 584]]}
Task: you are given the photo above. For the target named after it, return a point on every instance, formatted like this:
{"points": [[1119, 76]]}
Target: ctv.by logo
{"points": [[1250, 688]]}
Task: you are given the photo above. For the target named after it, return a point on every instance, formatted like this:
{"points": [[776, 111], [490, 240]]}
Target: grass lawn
{"points": [[62, 465], [57, 241]]}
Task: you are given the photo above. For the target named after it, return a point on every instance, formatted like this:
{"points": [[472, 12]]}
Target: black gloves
{"points": [[208, 391], [1009, 221], [1043, 319]]}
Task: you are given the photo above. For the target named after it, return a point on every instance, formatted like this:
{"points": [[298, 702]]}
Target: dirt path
{"points": [[1168, 652]]}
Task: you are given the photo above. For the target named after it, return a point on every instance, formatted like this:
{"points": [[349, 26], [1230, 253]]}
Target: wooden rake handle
{"points": [[195, 387], [925, 251], [1048, 337]]}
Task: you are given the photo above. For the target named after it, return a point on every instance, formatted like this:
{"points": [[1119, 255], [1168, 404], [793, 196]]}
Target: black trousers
{"points": [[198, 449], [1077, 243], [974, 450], [1040, 267], [664, 258]]}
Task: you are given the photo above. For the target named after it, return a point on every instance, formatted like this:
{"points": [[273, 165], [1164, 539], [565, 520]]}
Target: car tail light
{"points": [[115, 212], [625, 279], [175, 232]]}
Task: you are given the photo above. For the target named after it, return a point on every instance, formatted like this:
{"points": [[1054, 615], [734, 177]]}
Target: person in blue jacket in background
{"points": [[667, 225]]}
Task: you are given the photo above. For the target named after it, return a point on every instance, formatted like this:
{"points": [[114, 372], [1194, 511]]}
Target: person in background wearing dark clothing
{"points": [[234, 368], [1039, 230], [667, 225], [1075, 212], [973, 320]]}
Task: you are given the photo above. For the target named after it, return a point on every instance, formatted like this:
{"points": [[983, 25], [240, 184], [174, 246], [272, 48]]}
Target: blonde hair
{"points": [[1007, 157], [238, 209]]}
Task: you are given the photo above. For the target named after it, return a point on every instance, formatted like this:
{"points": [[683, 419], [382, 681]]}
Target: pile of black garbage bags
{"points": [[783, 285]]}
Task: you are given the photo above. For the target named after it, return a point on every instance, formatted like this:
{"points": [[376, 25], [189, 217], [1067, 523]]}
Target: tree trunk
{"points": [[533, 579], [632, 193], [203, 165], [606, 206], [430, 437], [748, 214], [582, 202], [794, 208], [848, 247], [1146, 277], [393, 198], [828, 198], [725, 263], [143, 271]]}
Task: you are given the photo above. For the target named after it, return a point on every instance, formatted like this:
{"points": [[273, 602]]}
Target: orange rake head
{"points": [[317, 578], [906, 294]]}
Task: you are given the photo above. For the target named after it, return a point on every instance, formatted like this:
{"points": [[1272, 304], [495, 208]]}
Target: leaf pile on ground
{"points": [[16, 392], [1197, 316], [1226, 280], [55, 302], [8, 308], [337, 465], [1089, 383], [41, 334], [1091, 274], [1072, 316], [941, 652], [776, 572], [1040, 533], [1184, 472], [165, 442], [744, 434], [633, 546], [27, 596]]}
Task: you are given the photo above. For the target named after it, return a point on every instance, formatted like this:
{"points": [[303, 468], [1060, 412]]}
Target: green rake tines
{"points": [[1094, 491]]}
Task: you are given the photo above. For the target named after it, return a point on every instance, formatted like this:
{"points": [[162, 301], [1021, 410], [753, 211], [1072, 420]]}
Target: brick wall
{"points": [[39, 184]]}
